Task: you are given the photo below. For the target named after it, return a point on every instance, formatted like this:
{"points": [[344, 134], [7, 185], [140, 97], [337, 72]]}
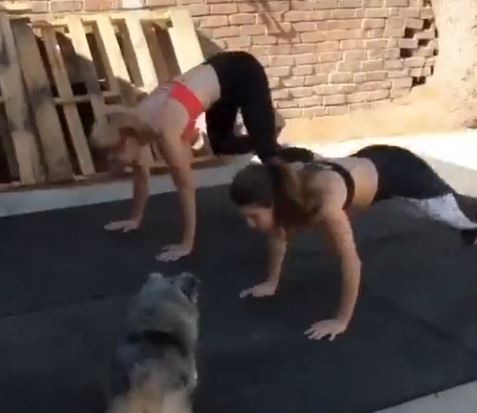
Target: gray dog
{"points": [[154, 368]]}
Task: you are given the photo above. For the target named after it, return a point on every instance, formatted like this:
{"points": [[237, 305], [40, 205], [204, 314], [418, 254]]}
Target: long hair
{"points": [[105, 130]]}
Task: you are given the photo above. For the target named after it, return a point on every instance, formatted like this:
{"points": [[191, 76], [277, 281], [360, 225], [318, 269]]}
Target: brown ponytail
{"points": [[291, 201]]}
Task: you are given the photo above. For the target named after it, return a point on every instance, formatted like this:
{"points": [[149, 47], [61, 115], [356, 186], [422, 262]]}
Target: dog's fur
{"points": [[154, 368]]}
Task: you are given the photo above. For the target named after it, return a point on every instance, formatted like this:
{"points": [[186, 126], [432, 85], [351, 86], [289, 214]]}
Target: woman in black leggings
{"points": [[220, 87]]}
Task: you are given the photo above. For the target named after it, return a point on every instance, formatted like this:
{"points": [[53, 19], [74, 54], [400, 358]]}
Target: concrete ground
{"points": [[447, 152]]}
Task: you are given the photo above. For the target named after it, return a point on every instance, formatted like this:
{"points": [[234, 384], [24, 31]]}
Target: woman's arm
{"points": [[176, 154], [277, 248], [340, 234]]}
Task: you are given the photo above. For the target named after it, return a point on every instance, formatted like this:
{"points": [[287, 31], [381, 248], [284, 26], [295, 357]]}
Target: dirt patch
{"points": [[424, 110]]}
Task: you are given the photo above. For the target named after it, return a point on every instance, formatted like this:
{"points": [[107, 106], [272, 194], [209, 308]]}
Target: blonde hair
{"points": [[105, 133]]}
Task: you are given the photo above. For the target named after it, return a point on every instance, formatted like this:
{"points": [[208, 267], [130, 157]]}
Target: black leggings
{"points": [[244, 86], [405, 176]]}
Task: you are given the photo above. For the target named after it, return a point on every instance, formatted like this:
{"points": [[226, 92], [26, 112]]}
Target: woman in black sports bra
{"points": [[278, 199]]}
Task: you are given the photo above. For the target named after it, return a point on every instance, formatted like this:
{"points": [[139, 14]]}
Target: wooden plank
{"points": [[157, 52], [184, 40], [26, 153], [141, 52], [108, 41], [52, 141], [73, 120]]}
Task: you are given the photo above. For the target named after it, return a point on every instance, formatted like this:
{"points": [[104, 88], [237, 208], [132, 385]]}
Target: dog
{"points": [[154, 366]]}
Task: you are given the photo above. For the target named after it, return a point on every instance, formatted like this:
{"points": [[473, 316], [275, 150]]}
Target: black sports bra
{"points": [[320, 165]]}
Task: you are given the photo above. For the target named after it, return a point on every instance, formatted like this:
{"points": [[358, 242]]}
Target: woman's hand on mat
{"points": [[264, 289], [125, 226], [174, 252], [324, 328]]}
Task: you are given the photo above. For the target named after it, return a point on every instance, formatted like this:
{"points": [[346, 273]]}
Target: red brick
{"points": [[264, 40], [330, 57], [281, 60], [278, 71], [301, 92], [374, 34], [334, 89], [304, 26], [372, 65], [420, 71], [264, 60], [316, 79], [260, 50], [325, 4], [198, 10], [160, 3], [351, 3], [226, 8], [291, 113], [247, 7], [392, 32], [314, 112], [334, 100], [214, 21], [329, 46], [336, 35], [394, 74], [373, 3], [280, 28], [395, 23], [306, 59], [337, 110], [373, 23], [376, 44], [288, 39], [408, 12], [280, 94], [376, 13], [414, 62], [280, 49], [416, 24], [341, 77], [375, 54], [427, 13], [369, 76], [325, 67], [310, 101], [285, 104], [354, 55], [397, 3], [274, 82], [352, 44], [351, 66], [424, 52], [295, 16], [252, 29], [393, 64], [426, 34], [277, 5], [294, 81], [408, 43], [401, 82], [302, 5], [303, 48], [61, 6], [242, 18], [343, 14], [187, 2], [303, 70], [397, 93], [227, 31], [238, 42], [312, 37], [377, 85], [430, 61], [42, 6], [392, 53]]}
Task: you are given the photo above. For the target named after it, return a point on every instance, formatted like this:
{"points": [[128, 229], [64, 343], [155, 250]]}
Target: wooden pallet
{"points": [[57, 75]]}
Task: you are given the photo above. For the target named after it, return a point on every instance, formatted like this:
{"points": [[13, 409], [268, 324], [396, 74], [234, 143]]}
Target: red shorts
{"points": [[192, 104]]}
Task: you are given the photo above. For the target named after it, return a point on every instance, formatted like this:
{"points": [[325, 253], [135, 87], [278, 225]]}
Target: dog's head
{"points": [[168, 305]]}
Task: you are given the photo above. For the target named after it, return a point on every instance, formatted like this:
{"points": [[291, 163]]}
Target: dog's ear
{"points": [[155, 275], [188, 284]]}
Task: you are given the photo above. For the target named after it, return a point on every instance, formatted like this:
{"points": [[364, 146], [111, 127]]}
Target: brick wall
{"points": [[322, 57]]}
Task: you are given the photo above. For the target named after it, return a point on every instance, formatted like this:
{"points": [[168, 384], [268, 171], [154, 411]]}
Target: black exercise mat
{"points": [[65, 283]]}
